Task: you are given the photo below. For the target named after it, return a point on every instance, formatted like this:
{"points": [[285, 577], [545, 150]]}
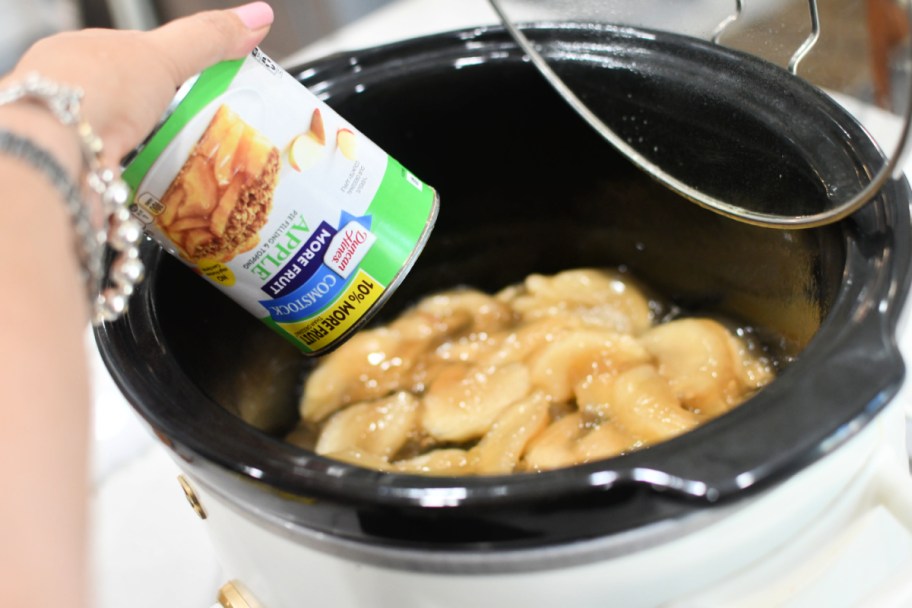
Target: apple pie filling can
{"points": [[286, 207]]}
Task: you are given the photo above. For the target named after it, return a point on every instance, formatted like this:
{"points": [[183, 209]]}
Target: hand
{"points": [[130, 77]]}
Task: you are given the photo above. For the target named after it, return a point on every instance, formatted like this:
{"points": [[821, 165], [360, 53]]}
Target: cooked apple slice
{"points": [[360, 458], [377, 427], [554, 447], [704, 364], [604, 441], [445, 461], [371, 365], [579, 354], [597, 297], [499, 450], [644, 406], [348, 143], [574, 440], [463, 405]]}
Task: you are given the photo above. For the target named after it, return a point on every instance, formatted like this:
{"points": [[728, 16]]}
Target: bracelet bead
{"points": [[121, 232]]}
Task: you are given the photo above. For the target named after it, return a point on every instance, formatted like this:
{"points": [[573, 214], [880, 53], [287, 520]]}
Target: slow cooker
{"points": [[803, 470]]}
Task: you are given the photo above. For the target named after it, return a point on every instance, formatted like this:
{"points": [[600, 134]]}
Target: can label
{"points": [[268, 193]]}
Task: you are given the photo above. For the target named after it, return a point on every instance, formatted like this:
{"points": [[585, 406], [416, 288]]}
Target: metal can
{"points": [[281, 203]]}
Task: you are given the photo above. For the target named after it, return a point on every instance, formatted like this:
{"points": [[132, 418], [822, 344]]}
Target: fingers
{"points": [[191, 44]]}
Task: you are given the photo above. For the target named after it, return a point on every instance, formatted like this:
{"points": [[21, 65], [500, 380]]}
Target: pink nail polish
{"points": [[254, 15]]}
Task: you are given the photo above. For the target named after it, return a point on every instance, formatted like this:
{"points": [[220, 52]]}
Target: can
{"points": [[282, 204]]}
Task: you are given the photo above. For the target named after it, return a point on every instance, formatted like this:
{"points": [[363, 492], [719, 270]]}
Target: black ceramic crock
{"points": [[527, 187]]}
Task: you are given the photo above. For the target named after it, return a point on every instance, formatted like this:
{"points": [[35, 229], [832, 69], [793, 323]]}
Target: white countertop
{"points": [[149, 548]]}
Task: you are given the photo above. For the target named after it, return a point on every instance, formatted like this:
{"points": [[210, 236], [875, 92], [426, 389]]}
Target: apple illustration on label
{"points": [[308, 148], [347, 143]]}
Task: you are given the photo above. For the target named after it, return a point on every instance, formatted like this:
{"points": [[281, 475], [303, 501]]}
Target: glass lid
{"points": [[803, 63]]}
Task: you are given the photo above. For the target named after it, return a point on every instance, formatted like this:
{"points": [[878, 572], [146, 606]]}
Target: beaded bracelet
{"points": [[120, 231]]}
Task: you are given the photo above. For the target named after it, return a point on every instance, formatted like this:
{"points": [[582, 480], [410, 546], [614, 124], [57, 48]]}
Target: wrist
{"points": [[43, 145]]}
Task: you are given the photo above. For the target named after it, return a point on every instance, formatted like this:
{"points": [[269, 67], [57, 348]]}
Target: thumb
{"points": [[192, 44]]}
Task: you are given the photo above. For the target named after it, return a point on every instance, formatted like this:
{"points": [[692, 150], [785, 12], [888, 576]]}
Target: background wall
{"points": [[298, 22], [23, 22]]}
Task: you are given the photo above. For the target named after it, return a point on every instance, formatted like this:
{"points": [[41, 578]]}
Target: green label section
{"points": [[401, 214]]}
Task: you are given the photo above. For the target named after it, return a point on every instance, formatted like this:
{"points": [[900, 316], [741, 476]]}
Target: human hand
{"points": [[130, 77]]}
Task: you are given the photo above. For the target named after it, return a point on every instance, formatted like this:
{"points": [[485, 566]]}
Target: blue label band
{"points": [[303, 265], [321, 290]]}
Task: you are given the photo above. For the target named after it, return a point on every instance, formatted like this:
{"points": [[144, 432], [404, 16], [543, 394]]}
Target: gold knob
{"points": [[234, 595], [192, 498]]}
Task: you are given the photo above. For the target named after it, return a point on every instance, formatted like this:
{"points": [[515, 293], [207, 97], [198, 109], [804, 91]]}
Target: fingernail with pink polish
{"points": [[254, 15]]}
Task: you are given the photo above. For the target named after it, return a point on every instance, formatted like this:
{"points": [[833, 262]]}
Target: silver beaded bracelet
{"points": [[108, 297]]}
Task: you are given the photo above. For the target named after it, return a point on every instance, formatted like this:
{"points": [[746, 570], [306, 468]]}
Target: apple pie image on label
{"points": [[222, 196]]}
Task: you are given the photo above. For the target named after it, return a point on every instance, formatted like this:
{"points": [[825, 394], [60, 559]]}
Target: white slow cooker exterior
{"points": [[839, 533]]}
